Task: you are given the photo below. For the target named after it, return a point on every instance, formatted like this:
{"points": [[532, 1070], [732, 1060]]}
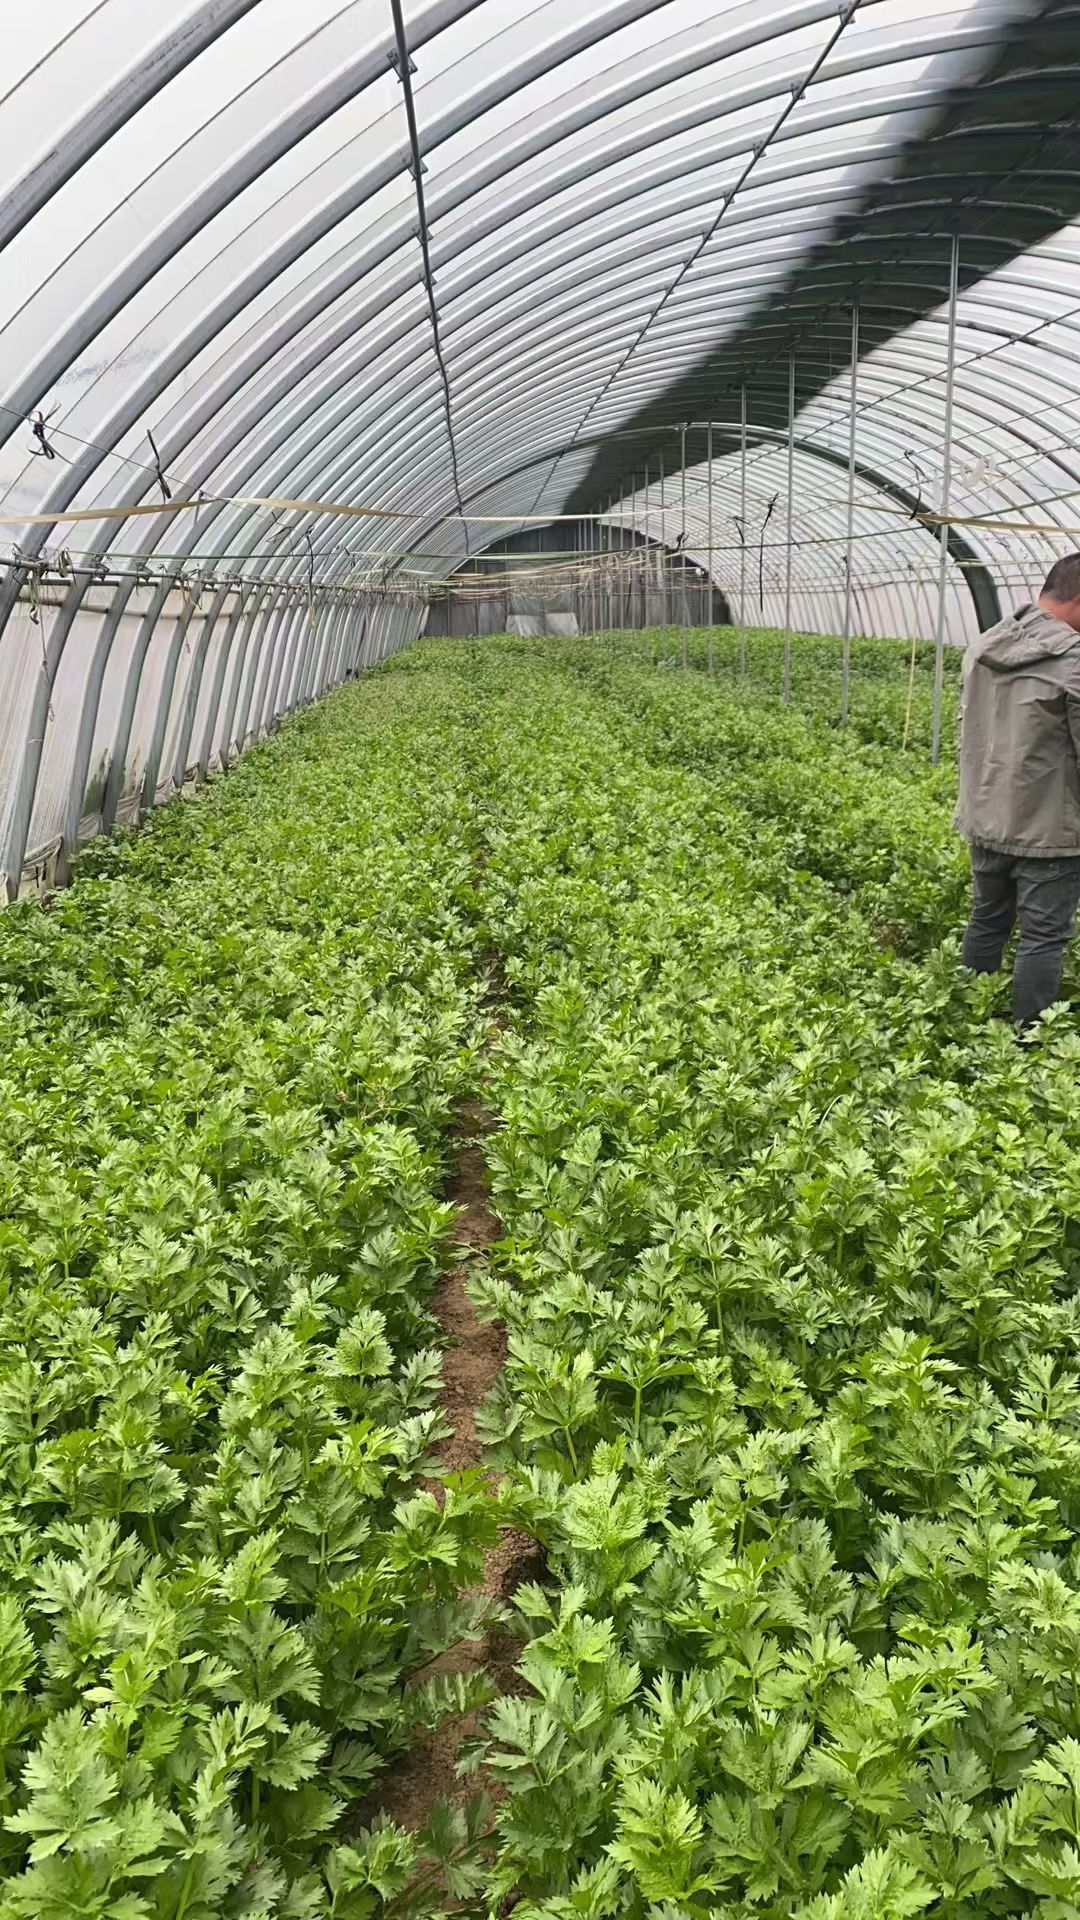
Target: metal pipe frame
{"points": [[316, 109], [193, 687], [820, 562], [905, 501], [742, 531], [802, 129], [943, 564], [709, 525], [105, 117], [845, 667], [786, 688], [213, 708], [682, 544]]}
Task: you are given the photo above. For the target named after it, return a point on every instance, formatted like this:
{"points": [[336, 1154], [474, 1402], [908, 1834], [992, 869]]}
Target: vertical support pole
{"points": [[712, 575], [225, 659], [790, 528], [625, 578], [193, 689], [742, 533], [605, 548], [946, 492], [628, 577], [684, 609], [647, 563], [163, 707], [601, 624], [845, 670], [661, 556], [254, 622]]}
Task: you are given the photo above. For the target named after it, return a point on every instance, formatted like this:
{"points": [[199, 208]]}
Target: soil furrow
{"points": [[474, 1357]]}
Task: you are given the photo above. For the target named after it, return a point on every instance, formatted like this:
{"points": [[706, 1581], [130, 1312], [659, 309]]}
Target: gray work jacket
{"points": [[1020, 738]]}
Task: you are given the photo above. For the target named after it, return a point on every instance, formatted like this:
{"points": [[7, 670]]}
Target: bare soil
{"points": [[473, 1360]]}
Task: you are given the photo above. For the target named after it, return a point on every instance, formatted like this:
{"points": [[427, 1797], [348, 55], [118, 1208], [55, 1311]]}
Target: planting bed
{"points": [[776, 1227]]}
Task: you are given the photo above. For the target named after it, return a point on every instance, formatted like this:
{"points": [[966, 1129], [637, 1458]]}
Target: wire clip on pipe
{"points": [[166, 490], [39, 428]]}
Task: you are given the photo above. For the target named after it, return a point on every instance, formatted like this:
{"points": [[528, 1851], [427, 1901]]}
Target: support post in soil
{"points": [[602, 543], [625, 557], [742, 533], [646, 563], [661, 552], [609, 601], [684, 609], [845, 670], [946, 491], [790, 528], [712, 600]]}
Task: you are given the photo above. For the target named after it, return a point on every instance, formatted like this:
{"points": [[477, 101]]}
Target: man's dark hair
{"points": [[1063, 579]]}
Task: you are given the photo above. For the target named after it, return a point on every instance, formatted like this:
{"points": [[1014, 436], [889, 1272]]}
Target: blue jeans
{"points": [[1042, 895]]}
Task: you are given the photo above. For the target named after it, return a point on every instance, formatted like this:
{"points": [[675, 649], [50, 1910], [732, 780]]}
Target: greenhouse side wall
{"points": [[150, 699]]}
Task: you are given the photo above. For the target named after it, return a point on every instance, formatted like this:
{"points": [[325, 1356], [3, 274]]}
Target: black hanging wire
{"points": [[760, 148], [39, 423], [405, 67], [166, 490], [770, 510], [920, 481]]}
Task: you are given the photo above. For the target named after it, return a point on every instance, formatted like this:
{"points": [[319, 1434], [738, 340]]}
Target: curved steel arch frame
{"points": [[983, 591], [19, 821], [558, 133], [295, 652]]}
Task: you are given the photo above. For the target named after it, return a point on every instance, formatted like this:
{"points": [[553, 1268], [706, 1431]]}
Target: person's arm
{"points": [[1072, 714]]}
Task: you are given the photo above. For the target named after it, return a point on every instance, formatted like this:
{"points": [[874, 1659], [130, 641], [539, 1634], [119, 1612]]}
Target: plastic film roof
{"points": [[466, 264]]}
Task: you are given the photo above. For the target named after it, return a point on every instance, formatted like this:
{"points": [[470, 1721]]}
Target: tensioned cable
{"points": [[405, 68], [1045, 139], [900, 392], [761, 147], [927, 379], [37, 417], [349, 509]]}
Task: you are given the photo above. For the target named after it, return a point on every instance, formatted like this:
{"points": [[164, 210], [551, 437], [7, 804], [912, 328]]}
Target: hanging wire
{"points": [[847, 12], [769, 511], [405, 67], [166, 490], [39, 423]]}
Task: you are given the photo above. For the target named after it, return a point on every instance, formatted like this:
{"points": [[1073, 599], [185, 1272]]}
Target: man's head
{"points": [[1061, 592]]}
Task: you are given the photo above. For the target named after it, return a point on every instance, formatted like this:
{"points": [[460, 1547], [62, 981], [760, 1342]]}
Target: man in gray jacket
{"points": [[1020, 789]]}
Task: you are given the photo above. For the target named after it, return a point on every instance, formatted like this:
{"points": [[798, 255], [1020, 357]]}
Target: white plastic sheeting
{"points": [[894, 570], [213, 289]]}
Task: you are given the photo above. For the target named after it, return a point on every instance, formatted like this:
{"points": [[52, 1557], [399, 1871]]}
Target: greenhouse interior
{"points": [[539, 1199]]}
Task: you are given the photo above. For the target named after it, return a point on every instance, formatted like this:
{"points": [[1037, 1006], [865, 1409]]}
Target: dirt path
{"points": [[474, 1358]]}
